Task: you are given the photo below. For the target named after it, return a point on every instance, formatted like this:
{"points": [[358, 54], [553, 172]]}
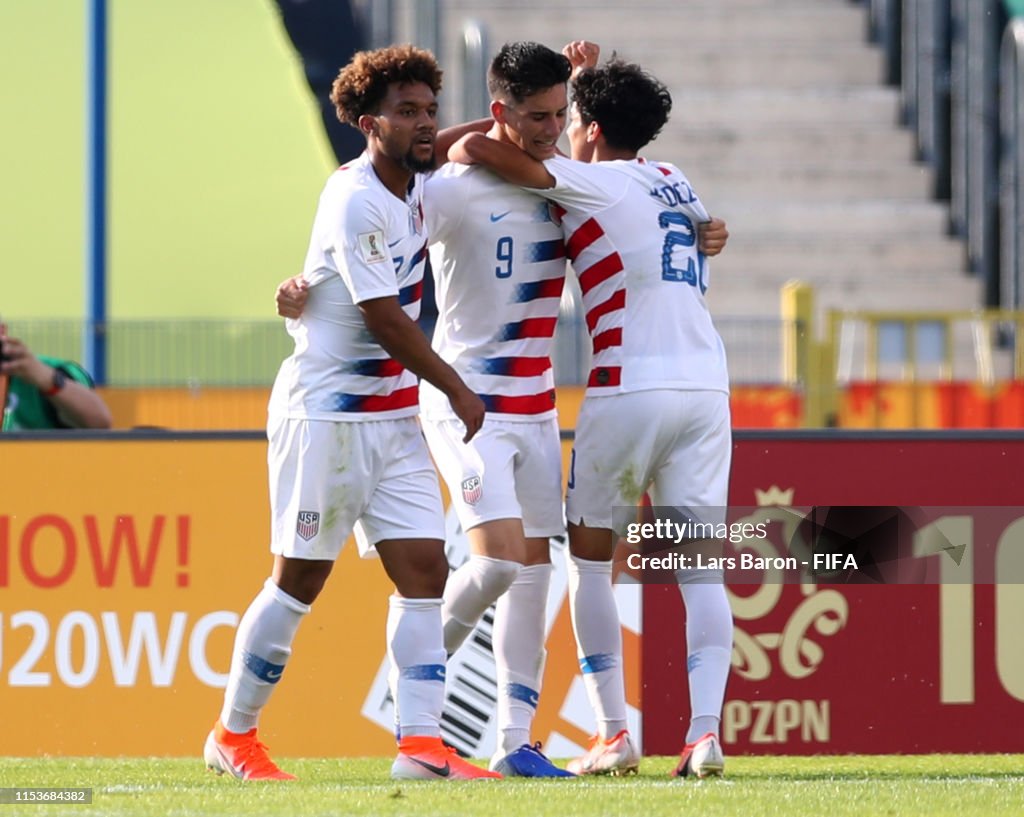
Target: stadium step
{"points": [[782, 124], [770, 147], [814, 106], [755, 220], [843, 256], [848, 181]]}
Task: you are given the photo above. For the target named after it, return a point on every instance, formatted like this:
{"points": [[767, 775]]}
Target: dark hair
{"points": [[629, 104], [362, 84], [520, 70]]}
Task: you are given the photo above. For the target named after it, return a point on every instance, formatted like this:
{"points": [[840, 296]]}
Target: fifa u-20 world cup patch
{"points": [[308, 525], [371, 247], [472, 490]]}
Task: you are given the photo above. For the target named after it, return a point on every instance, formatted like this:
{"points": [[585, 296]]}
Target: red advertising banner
{"points": [[865, 668]]}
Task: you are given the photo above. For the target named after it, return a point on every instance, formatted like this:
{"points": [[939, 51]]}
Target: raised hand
{"points": [[582, 54]]}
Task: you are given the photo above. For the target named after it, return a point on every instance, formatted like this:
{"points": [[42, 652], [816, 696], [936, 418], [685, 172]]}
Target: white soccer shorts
{"points": [[328, 479], [509, 470], [675, 445]]}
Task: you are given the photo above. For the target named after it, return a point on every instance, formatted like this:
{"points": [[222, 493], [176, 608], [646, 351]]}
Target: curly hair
{"points": [[362, 84], [629, 104], [523, 69]]}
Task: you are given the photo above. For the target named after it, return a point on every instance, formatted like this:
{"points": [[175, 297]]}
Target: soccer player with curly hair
{"points": [[345, 449], [499, 261]]}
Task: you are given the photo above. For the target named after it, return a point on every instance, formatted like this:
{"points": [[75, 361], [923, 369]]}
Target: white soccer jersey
{"points": [[366, 244], [631, 235], [499, 268]]}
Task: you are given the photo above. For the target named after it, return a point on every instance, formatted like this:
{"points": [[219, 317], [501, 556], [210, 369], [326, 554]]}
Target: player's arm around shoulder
{"points": [[449, 136], [712, 236], [504, 159]]}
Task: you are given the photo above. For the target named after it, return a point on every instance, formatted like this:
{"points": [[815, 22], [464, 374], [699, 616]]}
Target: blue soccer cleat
{"points": [[528, 761]]}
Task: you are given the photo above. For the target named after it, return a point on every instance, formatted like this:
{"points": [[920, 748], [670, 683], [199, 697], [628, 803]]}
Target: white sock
{"points": [[520, 622], [595, 620], [708, 654], [416, 650], [263, 644], [393, 689], [470, 591]]}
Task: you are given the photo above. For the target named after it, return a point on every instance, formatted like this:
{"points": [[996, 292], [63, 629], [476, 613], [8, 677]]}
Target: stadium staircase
{"points": [[783, 125]]}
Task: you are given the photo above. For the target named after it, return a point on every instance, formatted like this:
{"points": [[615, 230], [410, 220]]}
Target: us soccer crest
{"points": [[552, 212], [308, 524], [472, 490], [416, 216]]}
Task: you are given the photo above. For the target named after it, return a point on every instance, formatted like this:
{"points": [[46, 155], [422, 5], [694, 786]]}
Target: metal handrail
{"points": [[222, 353], [984, 28], [380, 22], [473, 64], [990, 329], [958, 119], [926, 84], [910, 37], [427, 26], [1011, 205], [950, 93], [885, 27]]}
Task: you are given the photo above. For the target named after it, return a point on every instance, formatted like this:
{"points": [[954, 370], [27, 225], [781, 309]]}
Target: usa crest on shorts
{"points": [[472, 490], [308, 524]]}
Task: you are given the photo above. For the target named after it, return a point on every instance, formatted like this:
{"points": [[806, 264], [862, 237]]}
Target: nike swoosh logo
{"points": [[273, 675], [440, 771], [496, 217]]}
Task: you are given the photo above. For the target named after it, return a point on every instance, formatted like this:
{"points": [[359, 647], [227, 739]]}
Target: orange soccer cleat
{"points": [[702, 758], [616, 756], [242, 756], [427, 758]]}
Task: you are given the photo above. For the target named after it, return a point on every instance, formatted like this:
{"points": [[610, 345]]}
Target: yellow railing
{"points": [[984, 347]]}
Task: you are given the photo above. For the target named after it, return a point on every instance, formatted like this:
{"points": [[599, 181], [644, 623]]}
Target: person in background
{"points": [[46, 392]]}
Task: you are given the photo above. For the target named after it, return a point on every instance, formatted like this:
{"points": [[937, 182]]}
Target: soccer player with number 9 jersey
{"points": [[656, 414]]}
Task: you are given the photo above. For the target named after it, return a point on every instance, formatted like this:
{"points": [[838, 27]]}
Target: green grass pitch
{"points": [[940, 785]]}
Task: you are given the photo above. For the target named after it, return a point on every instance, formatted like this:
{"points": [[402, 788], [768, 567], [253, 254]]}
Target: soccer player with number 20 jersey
{"points": [[656, 413]]}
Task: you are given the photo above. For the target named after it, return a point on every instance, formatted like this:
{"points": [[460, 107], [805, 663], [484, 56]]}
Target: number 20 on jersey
{"points": [[695, 274]]}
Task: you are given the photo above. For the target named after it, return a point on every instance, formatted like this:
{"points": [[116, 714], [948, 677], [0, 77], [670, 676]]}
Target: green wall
{"points": [[217, 156]]}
